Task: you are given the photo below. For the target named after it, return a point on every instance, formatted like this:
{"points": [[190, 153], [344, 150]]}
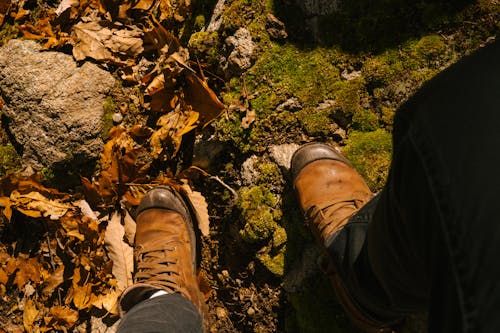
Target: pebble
{"points": [[117, 118], [220, 312], [251, 311]]}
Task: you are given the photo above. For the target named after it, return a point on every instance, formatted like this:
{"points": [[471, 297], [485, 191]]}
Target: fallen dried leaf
{"points": [[62, 317], [95, 40], [3, 277], [200, 207], [119, 252], [29, 270], [108, 301], [4, 9], [53, 281], [248, 119], [7, 211], [35, 204], [29, 315], [82, 294], [173, 126], [202, 99], [129, 228]]}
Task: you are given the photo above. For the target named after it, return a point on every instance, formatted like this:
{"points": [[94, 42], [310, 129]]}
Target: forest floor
{"points": [[336, 78]]}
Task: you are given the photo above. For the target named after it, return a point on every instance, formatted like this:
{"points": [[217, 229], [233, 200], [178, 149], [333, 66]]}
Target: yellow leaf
{"points": [[53, 281], [35, 204], [29, 315], [3, 277], [30, 213], [173, 126], [108, 301], [62, 317], [82, 295], [7, 211], [28, 270]]}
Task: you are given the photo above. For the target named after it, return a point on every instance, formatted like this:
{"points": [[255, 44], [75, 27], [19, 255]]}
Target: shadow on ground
{"points": [[365, 25]]}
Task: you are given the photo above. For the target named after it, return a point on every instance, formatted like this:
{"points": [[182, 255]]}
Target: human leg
{"points": [[431, 239], [167, 313]]}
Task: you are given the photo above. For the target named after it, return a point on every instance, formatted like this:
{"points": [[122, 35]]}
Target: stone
{"points": [[240, 49], [282, 154], [249, 172], [117, 118], [350, 75], [54, 108], [291, 104], [275, 28]]}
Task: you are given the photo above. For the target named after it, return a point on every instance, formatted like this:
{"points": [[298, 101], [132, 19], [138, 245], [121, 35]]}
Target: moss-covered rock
{"points": [[257, 209], [205, 45], [370, 153], [274, 262], [316, 122]]}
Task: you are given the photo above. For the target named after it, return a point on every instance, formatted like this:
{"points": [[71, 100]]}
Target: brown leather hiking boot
{"points": [[165, 250], [330, 192]]}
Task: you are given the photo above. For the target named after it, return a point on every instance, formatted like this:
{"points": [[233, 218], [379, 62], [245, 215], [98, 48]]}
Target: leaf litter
{"points": [[80, 254]]}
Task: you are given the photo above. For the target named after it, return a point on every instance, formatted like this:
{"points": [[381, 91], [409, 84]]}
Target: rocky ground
{"points": [[103, 99]]}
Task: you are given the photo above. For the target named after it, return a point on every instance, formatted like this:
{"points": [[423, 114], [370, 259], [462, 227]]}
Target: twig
{"points": [[235, 194], [51, 255]]}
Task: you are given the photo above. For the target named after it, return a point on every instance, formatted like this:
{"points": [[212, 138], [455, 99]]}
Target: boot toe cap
{"points": [[311, 152], [166, 198]]}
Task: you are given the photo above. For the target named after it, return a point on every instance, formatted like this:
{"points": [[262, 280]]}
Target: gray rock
{"points": [[249, 172], [282, 154], [350, 75], [239, 48], [53, 107], [275, 28], [117, 118], [291, 104]]}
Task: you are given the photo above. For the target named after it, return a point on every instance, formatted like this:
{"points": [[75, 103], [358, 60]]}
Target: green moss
{"points": [[199, 22], [48, 176], [370, 154], [315, 123], [8, 32], [378, 71], [109, 108], [315, 308], [257, 205], [274, 263], [205, 45], [430, 47], [269, 174], [279, 237], [9, 160], [284, 71], [249, 14]]}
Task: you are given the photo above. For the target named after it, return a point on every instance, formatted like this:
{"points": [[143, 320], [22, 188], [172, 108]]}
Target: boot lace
{"points": [[331, 216], [157, 266]]}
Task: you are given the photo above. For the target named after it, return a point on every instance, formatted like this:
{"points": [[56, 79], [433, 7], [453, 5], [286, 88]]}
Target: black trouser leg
{"points": [[431, 240], [170, 313]]}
